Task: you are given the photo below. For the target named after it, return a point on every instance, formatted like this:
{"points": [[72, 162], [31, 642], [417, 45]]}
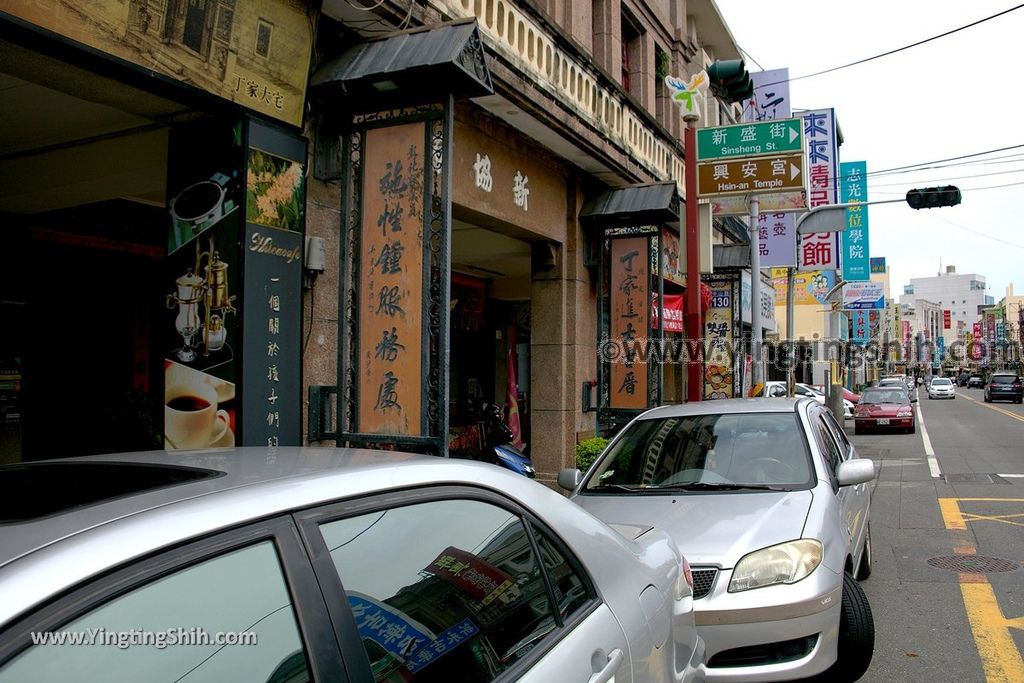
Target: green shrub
{"points": [[588, 450]]}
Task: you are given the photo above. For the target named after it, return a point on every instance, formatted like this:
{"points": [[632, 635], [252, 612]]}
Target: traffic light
{"points": [[730, 81], [933, 197]]}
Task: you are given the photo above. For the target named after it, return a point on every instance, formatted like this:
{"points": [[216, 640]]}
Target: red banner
{"points": [[946, 320], [673, 313], [466, 571]]}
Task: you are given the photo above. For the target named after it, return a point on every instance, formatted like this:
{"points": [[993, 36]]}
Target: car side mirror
{"points": [[570, 478], [856, 471], [913, 398]]}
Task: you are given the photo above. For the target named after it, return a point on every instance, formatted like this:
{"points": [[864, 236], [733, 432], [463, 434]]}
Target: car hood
{"points": [[710, 529]]}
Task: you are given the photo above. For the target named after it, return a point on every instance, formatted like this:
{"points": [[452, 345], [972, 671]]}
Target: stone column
{"points": [[563, 322]]}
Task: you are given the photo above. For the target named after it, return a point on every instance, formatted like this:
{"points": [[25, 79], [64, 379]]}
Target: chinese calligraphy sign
{"points": [[630, 310], [390, 312], [856, 263]]}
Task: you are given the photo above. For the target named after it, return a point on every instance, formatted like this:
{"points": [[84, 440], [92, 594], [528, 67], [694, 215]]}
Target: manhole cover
{"points": [[972, 564], [973, 478]]}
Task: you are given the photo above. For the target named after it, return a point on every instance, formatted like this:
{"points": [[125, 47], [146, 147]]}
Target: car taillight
{"points": [[1016, 386], [904, 412]]}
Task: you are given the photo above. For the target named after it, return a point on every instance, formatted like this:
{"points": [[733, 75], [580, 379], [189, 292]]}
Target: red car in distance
{"points": [[884, 408]]}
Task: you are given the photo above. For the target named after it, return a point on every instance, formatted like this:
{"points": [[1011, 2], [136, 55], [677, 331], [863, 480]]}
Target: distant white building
{"points": [[962, 294]]}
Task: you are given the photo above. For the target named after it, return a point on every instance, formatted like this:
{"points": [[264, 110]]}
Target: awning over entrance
{"points": [[434, 59], [649, 204], [730, 256]]}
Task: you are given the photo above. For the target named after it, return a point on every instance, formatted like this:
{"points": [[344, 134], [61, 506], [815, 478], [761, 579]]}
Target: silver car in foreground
{"points": [[768, 500], [291, 565]]}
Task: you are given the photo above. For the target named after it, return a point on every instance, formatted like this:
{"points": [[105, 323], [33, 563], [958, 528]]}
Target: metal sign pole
{"points": [[756, 375]]}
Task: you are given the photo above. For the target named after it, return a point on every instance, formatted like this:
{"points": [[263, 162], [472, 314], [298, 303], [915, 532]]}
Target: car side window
{"points": [[229, 618], [448, 590], [839, 435], [826, 445], [777, 391]]}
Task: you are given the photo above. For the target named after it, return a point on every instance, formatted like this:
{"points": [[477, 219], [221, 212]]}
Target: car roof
{"points": [[726, 406], [71, 545]]}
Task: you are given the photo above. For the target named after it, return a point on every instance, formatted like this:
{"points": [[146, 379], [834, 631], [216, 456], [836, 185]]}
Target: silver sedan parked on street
{"points": [[768, 500], [292, 565]]}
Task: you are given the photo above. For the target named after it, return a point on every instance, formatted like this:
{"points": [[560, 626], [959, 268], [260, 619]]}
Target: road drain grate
{"points": [[973, 478], [972, 564]]}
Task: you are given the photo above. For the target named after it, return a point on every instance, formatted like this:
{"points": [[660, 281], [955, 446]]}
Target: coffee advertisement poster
{"points": [[201, 329]]}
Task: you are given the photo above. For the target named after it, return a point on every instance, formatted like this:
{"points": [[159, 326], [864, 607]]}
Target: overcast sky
{"points": [[957, 95]]}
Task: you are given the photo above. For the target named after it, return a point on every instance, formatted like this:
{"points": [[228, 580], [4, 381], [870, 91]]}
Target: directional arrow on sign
{"points": [[760, 175]]}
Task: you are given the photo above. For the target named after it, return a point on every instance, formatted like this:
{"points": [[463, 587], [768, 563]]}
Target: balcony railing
{"points": [[520, 40]]}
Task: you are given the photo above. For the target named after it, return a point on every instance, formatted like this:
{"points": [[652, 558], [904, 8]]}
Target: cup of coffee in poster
{"points": [[191, 416]]}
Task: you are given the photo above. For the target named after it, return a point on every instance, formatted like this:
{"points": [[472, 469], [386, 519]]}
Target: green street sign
{"points": [[779, 136]]}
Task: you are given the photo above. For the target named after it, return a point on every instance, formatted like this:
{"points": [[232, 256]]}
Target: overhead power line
{"points": [[899, 49]]}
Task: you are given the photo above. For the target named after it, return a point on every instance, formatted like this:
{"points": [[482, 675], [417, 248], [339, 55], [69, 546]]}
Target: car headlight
{"points": [[784, 563]]}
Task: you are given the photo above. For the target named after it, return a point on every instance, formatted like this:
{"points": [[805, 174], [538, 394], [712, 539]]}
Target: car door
{"points": [[460, 584], [854, 501], [239, 606]]}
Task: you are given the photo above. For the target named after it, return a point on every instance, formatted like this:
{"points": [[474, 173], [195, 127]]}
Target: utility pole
{"points": [[694, 324], [790, 348]]}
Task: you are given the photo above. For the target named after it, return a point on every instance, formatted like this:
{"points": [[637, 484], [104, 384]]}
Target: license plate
{"points": [[883, 421]]}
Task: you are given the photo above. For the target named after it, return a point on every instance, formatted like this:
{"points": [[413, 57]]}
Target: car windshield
{"points": [[941, 383], [884, 396], [738, 451], [1004, 379]]}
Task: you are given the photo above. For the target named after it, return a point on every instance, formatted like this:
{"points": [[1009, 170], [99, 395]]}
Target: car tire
{"points": [[913, 429], [857, 429], [856, 635], [864, 570]]}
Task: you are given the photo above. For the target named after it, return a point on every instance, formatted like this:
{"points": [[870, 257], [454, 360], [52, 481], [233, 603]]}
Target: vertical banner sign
{"points": [[947, 319], [853, 183], [776, 231], [718, 334], [819, 251], [861, 327], [201, 332], [877, 264], [629, 321], [275, 213], [976, 347], [389, 316]]}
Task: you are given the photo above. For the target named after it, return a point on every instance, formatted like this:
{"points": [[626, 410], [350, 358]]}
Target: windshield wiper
{"points": [[617, 487], [706, 486]]}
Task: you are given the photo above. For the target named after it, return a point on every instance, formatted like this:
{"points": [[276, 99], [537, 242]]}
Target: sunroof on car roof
{"points": [[33, 490]]}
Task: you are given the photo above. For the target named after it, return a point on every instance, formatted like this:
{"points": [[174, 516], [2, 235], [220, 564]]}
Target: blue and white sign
{"points": [[859, 296], [820, 250], [854, 190], [401, 635], [940, 348]]}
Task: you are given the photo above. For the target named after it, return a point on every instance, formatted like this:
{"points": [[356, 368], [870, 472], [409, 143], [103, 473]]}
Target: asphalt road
{"points": [[959, 617]]}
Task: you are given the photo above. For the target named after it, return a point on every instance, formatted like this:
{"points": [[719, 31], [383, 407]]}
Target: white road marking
{"points": [[1011, 476], [933, 464]]}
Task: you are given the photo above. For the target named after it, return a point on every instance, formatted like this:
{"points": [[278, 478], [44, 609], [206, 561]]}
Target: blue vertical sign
{"points": [[853, 185]]}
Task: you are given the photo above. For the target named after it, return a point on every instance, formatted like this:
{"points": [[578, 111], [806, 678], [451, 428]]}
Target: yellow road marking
{"points": [[999, 655], [951, 514], [1004, 519], [1015, 416]]}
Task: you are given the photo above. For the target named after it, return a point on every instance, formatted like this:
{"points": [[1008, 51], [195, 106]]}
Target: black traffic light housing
{"points": [[934, 197], [729, 80]]}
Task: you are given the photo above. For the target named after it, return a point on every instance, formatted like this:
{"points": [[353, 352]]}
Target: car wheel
{"points": [[864, 570], [857, 429], [913, 429], [856, 634]]}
